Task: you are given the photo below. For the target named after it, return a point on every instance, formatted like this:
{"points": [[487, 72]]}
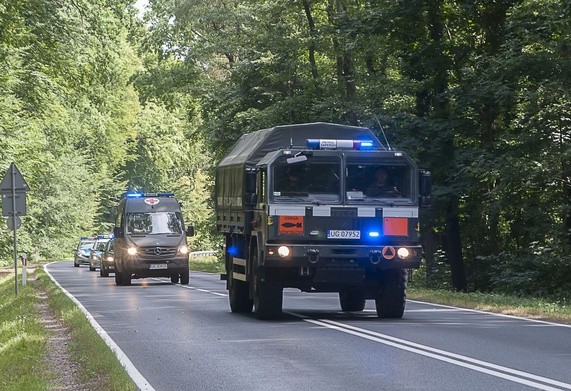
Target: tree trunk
{"points": [[454, 247]]}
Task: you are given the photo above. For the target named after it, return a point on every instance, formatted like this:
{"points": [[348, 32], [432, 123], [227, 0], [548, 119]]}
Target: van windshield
{"points": [[154, 223]]}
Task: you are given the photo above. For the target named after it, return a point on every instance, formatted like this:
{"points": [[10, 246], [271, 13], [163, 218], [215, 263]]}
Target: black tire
{"points": [[118, 277], [91, 269], [391, 300], [174, 278], [352, 300], [268, 292], [75, 264], [126, 278], [239, 295], [103, 272], [185, 277]]}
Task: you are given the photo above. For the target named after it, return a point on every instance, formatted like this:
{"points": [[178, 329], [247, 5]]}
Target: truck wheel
{"points": [[390, 302], [185, 277], [352, 300], [174, 278], [268, 294], [239, 295]]}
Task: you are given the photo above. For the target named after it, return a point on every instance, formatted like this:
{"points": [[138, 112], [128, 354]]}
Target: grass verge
{"points": [[96, 359], [497, 303], [22, 339], [206, 264]]}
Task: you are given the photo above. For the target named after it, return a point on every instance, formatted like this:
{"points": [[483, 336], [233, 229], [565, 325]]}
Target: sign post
{"points": [[13, 189]]}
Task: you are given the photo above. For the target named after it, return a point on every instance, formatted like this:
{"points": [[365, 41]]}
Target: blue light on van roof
{"points": [[134, 194], [374, 234]]}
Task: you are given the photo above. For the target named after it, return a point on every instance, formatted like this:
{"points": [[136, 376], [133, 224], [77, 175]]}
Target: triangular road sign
{"points": [[19, 181]]}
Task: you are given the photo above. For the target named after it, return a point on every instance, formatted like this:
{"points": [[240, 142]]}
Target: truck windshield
{"points": [[315, 179], [154, 223], [377, 181]]}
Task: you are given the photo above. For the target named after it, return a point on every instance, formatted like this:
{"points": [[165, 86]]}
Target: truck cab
{"points": [[150, 238]]}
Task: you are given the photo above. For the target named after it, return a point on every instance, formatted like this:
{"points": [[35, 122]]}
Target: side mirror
{"points": [[117, 232], [190, 230], [425, 188]]}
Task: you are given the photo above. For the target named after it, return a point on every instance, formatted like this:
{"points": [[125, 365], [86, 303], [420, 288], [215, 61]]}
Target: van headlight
{"points": [[132, 250], [183, 249]]}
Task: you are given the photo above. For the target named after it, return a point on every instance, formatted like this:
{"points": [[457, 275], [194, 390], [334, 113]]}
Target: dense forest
{"points": [[96, 99]]}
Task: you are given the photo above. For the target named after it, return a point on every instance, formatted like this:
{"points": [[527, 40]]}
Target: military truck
{"points": [[302, 206]]}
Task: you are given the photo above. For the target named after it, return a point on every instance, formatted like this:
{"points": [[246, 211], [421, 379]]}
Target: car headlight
{"points": [[132, 250], [109, 259], [183, 249]]}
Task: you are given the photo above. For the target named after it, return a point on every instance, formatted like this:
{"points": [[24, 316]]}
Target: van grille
{"points": [[159, 251]]}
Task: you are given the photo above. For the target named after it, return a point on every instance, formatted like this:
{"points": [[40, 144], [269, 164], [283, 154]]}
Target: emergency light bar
{"points": [[339, 144], [139, 195]]}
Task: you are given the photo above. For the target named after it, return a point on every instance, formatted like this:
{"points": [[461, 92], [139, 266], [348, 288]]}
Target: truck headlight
{"points": [[403, 253], [283, 251], [183, 249], [132, 250]]}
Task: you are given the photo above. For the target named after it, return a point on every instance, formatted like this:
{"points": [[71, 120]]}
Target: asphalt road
{"points": [[185, 338]]}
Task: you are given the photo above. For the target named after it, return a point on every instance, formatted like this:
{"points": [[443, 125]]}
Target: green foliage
{"points": [[94, 100]]}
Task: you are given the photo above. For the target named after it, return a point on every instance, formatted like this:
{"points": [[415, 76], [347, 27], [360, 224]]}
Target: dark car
{"points": [[83, 250], [107, 261], [97, 251]]}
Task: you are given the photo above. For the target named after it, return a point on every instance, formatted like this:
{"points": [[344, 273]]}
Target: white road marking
{"points": [[442, 355]]}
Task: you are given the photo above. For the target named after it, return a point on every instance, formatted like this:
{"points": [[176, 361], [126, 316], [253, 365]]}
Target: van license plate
{"points": [[155, 266], [343, 234]]}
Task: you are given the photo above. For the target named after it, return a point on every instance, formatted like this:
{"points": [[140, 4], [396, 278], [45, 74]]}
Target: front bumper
{"points": [[156, 268], [366, 257], [81, 260]]}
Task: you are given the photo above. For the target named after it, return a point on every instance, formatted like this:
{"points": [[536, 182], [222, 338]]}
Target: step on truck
{"points": [[319, 207]]}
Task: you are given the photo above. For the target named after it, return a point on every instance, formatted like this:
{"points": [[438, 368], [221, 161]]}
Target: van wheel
{"points": [[118, 278], [126, 277], [174, 278], [352, 300], [185, 277]]}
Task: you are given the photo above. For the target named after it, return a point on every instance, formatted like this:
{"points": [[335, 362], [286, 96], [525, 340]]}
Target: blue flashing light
{"points": [[312, 143], [167, 194], [364, 144], [134, 194], [340, 144], [232, 251], [374, 234]]}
